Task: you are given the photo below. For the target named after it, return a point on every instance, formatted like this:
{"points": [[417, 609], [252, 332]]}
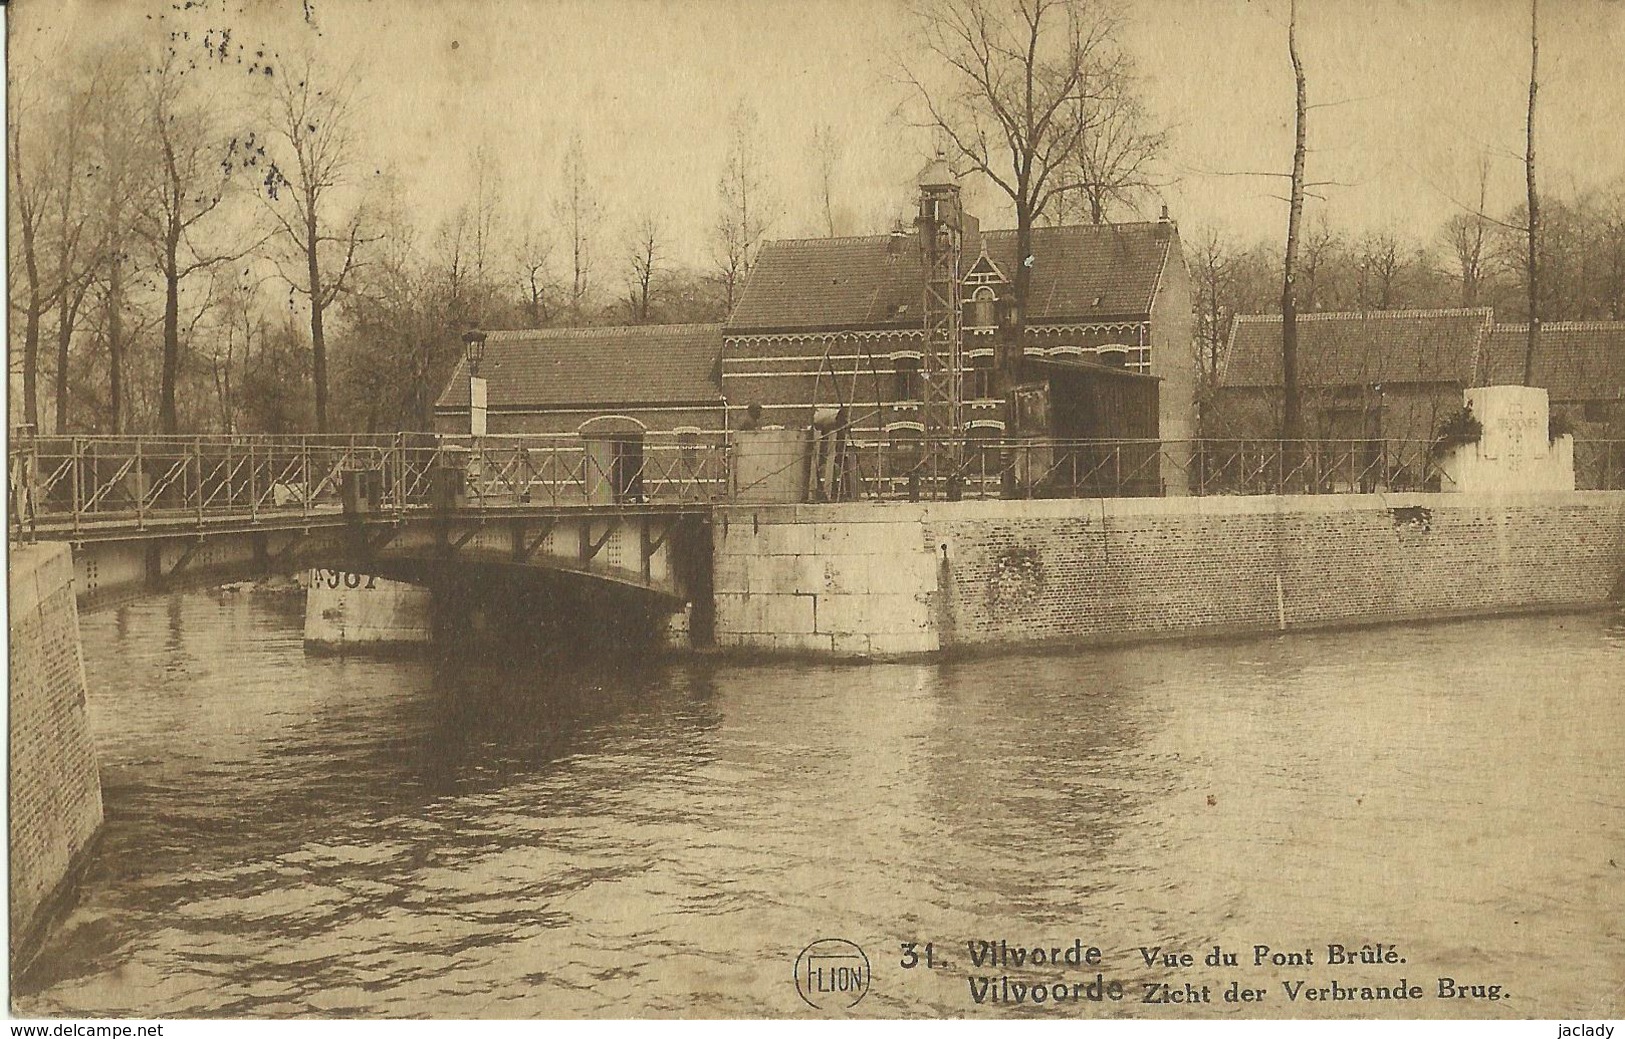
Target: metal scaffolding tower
{"points": [[941, 224]]}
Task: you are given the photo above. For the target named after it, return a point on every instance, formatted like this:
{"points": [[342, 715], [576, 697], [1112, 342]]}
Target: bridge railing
{"points": [[567, 471], [90, 481], [89, 484], [1599, 465], [990, 467], [82, 484]]}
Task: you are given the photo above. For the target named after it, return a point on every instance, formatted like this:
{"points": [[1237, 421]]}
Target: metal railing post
{"points": [[197, 475], [76, 471], [140, 491]]}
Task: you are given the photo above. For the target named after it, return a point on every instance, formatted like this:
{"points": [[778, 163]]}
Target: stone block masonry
{"points": [[846, 580], [873, 579], [55, 789]]}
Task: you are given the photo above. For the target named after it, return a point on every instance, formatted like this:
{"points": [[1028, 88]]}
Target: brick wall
{"points": [[55, 792], [1026, 571], [895, 578]]}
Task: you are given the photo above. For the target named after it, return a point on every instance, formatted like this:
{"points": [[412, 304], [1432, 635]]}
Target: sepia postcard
{"points": [[990, 510]]}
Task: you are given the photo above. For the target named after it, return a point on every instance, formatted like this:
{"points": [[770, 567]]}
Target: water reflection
{"points": [[293, 835]]}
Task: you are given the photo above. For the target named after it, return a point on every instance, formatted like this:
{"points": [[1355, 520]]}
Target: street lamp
{"points": [[474, 348]]}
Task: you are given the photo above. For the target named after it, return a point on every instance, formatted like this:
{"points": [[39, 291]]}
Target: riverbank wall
{"points": [[55, 794], [902, 579]]}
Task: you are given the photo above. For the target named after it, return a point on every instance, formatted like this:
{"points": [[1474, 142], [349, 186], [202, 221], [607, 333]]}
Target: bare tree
{"points": [[1467, 237], [196, 165], [1292, 407], [826, 158], [643, 264], [485, 211], [742, 192], [124, 160], [1211, 262], [1117, 155], [1533, 270], [1027, 84], [1382, 266], [72, 227], [1322, 263], [576, 211], [30, 202], [312, 125], [533, 254]]}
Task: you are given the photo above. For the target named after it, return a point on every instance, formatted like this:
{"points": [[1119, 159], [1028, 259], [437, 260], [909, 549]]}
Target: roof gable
{"points": [[556, 367], [1365, 348], [985, 272], [1079, 273], [1574, 360]]}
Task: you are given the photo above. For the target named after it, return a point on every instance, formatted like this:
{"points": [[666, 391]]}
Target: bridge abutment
{"points": [[55, 788]]}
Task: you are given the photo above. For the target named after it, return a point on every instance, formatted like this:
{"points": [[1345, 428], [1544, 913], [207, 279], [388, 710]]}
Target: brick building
{"points": [[840, 321], [1581, 364], [554, 380], [1395, 374], [1381, 374], [827, 321]]}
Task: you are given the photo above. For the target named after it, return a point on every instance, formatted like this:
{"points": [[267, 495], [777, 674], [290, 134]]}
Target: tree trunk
{"points": [[1292, 408], [31, 350], [168, 419], [1534, 204], [31, 323], [64, 342], [115, 340], [318, 341], [1009, 363]]}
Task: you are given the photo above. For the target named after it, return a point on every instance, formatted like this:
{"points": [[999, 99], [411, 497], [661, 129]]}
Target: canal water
{"points": [[301, 835]]}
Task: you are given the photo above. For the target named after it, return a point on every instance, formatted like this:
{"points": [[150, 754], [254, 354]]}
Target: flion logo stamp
{"points": [[832, 974]]}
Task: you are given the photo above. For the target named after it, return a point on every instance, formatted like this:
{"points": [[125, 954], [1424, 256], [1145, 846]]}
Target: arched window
{"points": [[981, 311], [903, 448], [906, 383]]}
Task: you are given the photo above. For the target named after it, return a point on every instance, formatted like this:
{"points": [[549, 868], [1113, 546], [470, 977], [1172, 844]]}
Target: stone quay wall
{"points": [[899, 579], [55, 789]]}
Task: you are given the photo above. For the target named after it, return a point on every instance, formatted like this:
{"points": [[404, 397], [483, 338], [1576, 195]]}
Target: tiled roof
{"points": [[1574, 360], [591, 366], [1080, 273], [1378, 346]]}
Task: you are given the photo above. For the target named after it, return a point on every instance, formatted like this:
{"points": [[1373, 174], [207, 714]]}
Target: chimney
{"points": [[899, 241]]}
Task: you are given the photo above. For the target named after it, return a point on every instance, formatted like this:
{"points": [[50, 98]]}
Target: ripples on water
{"points": [[293, 835]]}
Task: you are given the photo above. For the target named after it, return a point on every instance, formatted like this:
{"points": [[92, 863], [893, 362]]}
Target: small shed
{"points": [[613, 466]]}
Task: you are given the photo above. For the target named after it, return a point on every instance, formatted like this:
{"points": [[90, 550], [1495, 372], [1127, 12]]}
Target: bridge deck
{"points": [[176, 522]]}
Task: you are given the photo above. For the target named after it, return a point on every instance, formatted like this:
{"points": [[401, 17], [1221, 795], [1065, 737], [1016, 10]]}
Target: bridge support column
{"points": [[55, 793], [345, 610]]}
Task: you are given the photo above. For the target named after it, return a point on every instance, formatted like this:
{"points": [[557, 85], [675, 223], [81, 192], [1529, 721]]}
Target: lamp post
{"points": [[474, 349]]}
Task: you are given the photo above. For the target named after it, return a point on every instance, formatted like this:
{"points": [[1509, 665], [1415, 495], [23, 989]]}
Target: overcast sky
{"points": [[1418, 90]]}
